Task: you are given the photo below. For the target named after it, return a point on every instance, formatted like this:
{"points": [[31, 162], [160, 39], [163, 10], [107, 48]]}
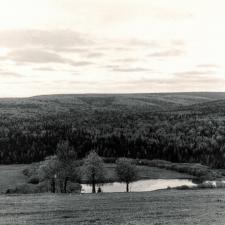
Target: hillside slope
{"points": [[52, 104], [178, 127]]}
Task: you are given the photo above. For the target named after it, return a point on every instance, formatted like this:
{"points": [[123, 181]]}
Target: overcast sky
{"points": [[111, 46]]}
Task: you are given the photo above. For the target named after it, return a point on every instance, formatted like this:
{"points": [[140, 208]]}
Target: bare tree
{"points": [[126, 171], [93, 170]]}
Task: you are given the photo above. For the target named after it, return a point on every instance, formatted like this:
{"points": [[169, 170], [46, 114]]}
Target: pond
{"points": [[141, 185]]}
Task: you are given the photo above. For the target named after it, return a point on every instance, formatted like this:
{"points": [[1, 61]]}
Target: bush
{"points": [[26, 172], [184, 187], [207, 184], [194, 169], [109, 159], [220, 184], [22, 189], [34, 180], [31, 170], [42, 187], [73, 188]]}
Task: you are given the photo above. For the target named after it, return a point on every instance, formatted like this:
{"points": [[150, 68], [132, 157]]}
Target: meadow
{"points": [[171, 207], [11, 175]]}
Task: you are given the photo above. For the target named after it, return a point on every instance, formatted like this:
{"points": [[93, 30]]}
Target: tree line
{"points": [[174, 136]]}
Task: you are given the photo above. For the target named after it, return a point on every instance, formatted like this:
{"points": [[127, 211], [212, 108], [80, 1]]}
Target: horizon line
{"points": [[122, 93]]}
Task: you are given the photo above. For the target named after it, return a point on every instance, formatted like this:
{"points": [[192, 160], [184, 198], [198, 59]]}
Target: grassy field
{"points": [[11, 175], [170, 207], [146, 172]]}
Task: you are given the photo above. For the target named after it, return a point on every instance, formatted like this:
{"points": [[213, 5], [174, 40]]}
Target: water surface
{"points": [[141, 185]]}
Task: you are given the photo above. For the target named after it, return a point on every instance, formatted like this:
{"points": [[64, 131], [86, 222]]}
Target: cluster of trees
{"points": [[64, 167], [177, 136]]}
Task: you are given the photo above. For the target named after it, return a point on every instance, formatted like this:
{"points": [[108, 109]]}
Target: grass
{"points": [[199, 171], [147, 172], [171, 207], [11, 175]]}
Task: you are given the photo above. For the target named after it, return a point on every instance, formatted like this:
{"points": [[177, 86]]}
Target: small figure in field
{"points": [[99, 190]]}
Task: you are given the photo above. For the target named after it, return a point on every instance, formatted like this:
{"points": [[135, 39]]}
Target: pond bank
{"points": [[141, 185]]}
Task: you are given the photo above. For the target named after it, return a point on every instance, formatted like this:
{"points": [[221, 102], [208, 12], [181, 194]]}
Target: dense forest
{"points": [[180, 127]]}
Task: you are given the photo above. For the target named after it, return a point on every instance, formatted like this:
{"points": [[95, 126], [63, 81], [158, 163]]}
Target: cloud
{"points": [[213, 66], [126, 44], [127, 69], [71, 49], [44, 69], [199, 76], [142, 43], [167, 14], [174, 84], [177, 43], [39, 56], [194, 73], [127, 60], [167, 53], [94, 55], [81, 63], [189, 79], [4, 73], [43, 38], [35, 56]]}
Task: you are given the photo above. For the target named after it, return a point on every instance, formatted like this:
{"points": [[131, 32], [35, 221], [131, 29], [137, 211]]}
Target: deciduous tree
{"points": [[93, 170], [126, 171]]}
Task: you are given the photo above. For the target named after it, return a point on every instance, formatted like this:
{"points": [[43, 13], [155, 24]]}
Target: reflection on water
{"points": [[141, 185]]}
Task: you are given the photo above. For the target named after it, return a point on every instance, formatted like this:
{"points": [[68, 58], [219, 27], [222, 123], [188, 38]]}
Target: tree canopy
{"points": [[93, 170], [126, 171]]}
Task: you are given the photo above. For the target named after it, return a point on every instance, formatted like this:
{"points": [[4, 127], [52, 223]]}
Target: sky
{"points": [[111, 46]]}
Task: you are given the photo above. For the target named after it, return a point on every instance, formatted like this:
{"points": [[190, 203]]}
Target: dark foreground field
{"points": [[169, 207]]}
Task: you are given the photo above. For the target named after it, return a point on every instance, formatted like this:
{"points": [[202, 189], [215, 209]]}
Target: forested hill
{"points": [[45, 105], [181, 127]]}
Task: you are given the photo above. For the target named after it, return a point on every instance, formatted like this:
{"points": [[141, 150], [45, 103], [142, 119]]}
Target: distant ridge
{"points": [[64, 103]]}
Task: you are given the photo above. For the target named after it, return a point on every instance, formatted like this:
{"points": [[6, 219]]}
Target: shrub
{"points": [[109, 159], [207, 185], [34, 180], [184, 187], [22, 189]]}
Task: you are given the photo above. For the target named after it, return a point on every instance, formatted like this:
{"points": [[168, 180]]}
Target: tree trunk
{"points": [[93, 184], [65, 184], [53, 185], [127, 188], [61, 186]]}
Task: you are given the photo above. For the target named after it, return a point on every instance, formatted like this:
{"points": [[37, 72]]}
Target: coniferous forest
{"points": [[176, 127]]}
